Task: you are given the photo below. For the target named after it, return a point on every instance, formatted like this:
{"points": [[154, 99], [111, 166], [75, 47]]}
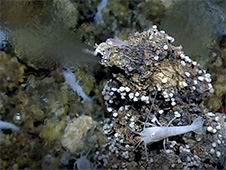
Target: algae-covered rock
{"points": [[75, 133], [67, 12], [217, 57], [116, 17], [50, 162], [217, 100], [52, 131], [11, 72], [151, 11], [41, 106]]}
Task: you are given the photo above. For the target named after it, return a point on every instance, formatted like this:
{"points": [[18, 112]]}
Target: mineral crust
{"points": [[155, 82]]}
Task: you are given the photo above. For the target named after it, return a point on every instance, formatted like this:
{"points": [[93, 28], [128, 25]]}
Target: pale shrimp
{"points": [[157, 133]]}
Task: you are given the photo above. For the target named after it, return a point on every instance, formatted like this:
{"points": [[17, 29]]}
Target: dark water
{"points": [[41, 32], [196, 25]]}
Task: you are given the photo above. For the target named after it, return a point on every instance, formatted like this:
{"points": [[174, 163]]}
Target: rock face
{"points": [[154, 82], [10, 78], [75, 132]]}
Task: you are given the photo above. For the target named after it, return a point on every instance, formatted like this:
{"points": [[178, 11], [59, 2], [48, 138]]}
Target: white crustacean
{"points": [[103, 47], [116, 42], [157, 133], [83, 163]]}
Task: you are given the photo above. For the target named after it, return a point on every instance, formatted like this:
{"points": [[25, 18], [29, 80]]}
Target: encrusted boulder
{"points": [[154, 82]]}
